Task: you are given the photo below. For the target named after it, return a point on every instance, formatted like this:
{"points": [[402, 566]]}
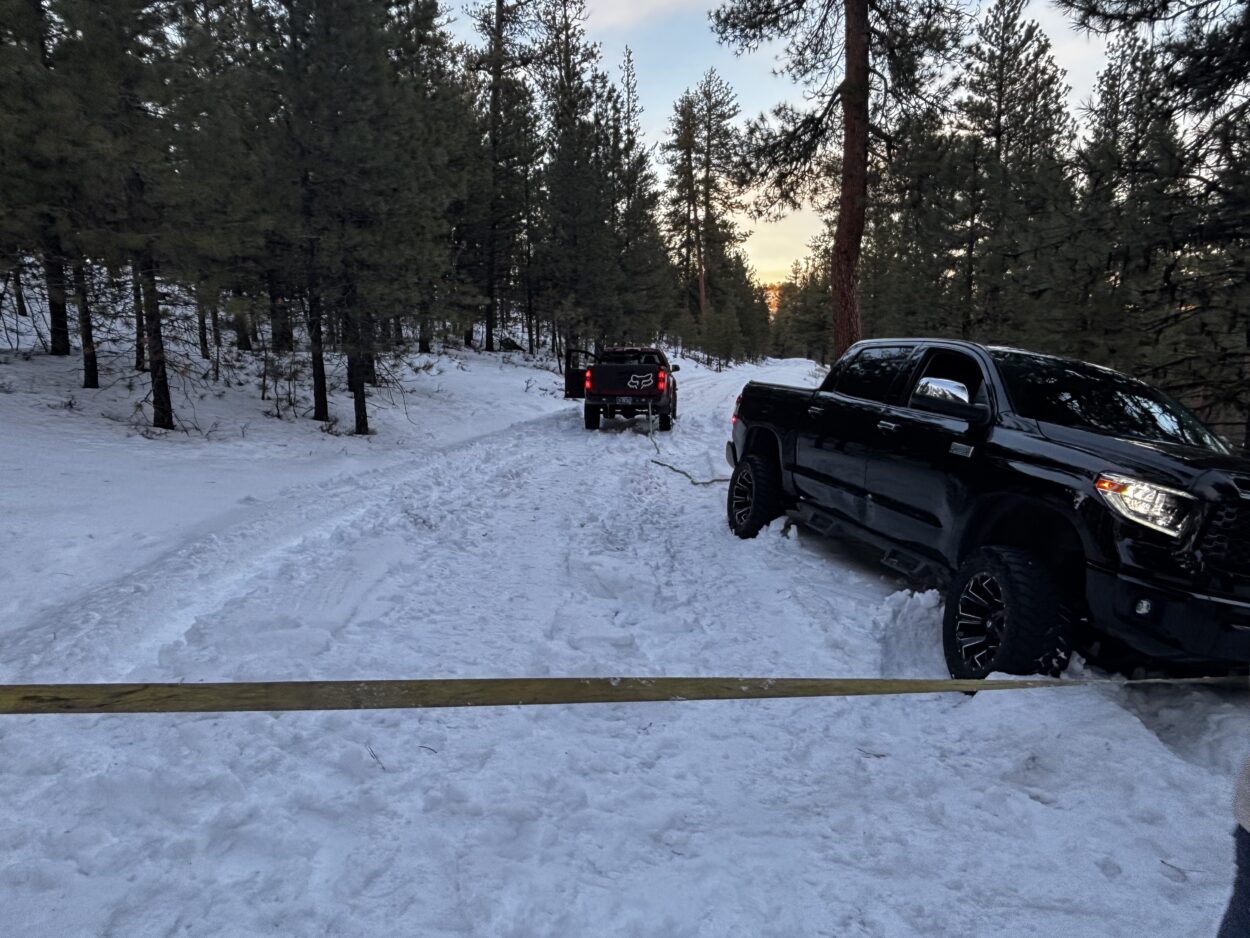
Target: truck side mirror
{"points": [[941, 389], [675, 368], [950, 398]]}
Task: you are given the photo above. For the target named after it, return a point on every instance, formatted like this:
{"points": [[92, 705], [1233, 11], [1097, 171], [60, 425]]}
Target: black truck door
{"points": [[576, 361], [838, 427], [922, 463]]}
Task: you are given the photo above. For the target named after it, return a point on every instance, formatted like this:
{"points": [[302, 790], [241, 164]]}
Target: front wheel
{"points": [[593, 415], [755, 496], [1005, 612]]}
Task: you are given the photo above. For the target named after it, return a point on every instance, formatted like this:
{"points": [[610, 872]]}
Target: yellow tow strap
{"points": [[494, 692]]}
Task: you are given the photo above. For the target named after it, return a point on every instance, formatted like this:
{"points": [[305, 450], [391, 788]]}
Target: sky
{"points": [[674, 46]]}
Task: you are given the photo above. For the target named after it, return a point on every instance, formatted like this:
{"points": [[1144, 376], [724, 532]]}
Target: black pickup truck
{"points": [[1060, 504], [625, 382]]}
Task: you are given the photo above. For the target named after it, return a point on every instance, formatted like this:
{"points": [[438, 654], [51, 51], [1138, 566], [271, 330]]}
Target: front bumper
{"points": [[1169, 623]]}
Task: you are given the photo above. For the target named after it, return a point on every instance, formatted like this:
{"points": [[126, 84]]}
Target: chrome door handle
{"points": [[885, 426], [816, 410]]}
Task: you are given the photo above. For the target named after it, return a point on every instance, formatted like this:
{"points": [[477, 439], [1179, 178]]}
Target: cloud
{"points": [[622, 14]]}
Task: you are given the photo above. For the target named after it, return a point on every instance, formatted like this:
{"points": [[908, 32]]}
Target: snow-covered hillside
{"points": [[483, 532]]}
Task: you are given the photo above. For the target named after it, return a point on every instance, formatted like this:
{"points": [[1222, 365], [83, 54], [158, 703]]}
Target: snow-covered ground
{"points": [[483, 532]]}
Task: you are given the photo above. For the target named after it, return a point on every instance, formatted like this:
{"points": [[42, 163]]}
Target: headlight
{"points": [[1155, 506]]}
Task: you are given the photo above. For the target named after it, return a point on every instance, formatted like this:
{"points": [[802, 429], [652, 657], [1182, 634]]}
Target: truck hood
{"points": [[1167, 463]]}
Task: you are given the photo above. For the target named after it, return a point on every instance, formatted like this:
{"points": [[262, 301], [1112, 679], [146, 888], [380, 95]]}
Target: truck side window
{"points": [[871, 373]]}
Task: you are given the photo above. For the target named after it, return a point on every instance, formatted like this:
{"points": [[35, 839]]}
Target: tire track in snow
{"points": [[112, 631]]}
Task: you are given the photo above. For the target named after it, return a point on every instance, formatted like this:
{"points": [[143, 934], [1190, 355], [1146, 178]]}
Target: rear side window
{"points": [[872, 372]]}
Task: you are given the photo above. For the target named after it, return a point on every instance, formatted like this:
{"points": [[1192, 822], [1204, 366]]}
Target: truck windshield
{"points": [[1074, 394]]}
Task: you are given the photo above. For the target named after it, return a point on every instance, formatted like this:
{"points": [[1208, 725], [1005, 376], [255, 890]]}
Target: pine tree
{"points": [[505, 27], [1014, 106], [1203, 48], [577, 242], [648, 293], [887, 51]]}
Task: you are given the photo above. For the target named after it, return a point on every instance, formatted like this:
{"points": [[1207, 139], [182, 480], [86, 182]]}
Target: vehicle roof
{"points": [[979, 347], [631, 348]]}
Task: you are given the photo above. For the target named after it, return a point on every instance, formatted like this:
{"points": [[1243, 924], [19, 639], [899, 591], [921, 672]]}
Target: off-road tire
{"points": [[1033, 626], [755, 497]]}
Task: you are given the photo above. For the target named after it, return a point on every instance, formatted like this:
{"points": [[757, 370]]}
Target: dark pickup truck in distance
{"points": [[1061, 504], [630, 381]]}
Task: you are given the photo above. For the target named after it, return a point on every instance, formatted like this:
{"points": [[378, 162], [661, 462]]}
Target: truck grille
{"points": [[1226, 544]]}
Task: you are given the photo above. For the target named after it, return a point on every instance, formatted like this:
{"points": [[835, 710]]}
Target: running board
{"points": [[911, 565]]}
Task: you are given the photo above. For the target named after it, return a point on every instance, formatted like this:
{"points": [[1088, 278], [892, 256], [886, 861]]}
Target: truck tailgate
{"points": [[625, 380]]}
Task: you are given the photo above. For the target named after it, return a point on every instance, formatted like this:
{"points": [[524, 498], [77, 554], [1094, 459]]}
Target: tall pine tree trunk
{"points": [[494, 130], [58, 316], [19, 295], [53, 261], [696, 231], [491, 299], [966, 318], [162, 406], [140, 329], [369, 341], [215, 321], [853, 199], [242, 332], [423, 339], [279, 315], [321, 403], [242, 335], [90, 367], [529, 317], [201, 316], [357, 365]]}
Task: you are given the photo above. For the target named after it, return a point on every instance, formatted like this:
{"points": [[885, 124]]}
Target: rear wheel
{"points": [[666, 421], [755, 496], [593, 415], [1005, 612]]}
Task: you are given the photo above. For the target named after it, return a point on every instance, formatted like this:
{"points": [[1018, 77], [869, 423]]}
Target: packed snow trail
{"points": [[544, 549]]}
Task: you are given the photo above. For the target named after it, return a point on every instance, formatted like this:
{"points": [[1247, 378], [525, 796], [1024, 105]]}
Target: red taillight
{"points": [[587, 379], [737, 404], [662, 380]]}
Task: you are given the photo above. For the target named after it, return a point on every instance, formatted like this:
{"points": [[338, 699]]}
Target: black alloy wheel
{"points": [[755, 497], [979, 621], [1006, 610], [741, 497]]}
